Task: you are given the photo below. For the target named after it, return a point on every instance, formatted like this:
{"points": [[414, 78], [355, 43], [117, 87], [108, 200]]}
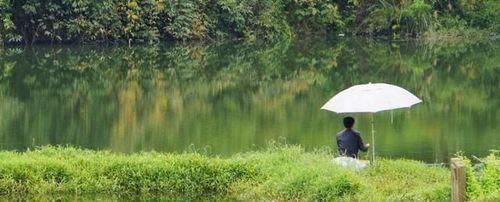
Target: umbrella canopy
{"points": [[371, 98]]}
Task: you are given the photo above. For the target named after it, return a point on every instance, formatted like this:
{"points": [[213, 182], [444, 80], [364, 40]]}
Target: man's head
{"points": [[348, 122]]}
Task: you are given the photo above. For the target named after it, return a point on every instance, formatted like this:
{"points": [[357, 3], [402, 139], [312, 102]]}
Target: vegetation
{"points": [[279, 173], [54, 21], [483, 179]]}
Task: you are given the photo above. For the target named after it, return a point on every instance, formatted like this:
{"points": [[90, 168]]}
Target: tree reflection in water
{"points": [[234, 97]]}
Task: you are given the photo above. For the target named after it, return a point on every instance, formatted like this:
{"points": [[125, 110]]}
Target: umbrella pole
{"points": [[373, 141]]}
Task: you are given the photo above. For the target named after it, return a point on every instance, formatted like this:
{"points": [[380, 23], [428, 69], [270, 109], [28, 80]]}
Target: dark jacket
{"points": [[349, 143]]}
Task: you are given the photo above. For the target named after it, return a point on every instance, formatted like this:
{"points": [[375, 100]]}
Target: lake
{"points": [[225, 98]]}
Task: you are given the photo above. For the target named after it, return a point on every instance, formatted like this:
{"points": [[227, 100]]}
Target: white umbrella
{"points": [[371, 98]]}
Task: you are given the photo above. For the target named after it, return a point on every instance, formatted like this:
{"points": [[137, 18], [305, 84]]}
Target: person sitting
{"points": [[349, 141]]}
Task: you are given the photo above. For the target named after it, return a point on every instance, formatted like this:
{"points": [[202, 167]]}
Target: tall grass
{"points": [[280, 173], [71, 170]]}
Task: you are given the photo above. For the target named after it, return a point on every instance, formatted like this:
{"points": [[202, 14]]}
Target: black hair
{"points": [[348, 122]]}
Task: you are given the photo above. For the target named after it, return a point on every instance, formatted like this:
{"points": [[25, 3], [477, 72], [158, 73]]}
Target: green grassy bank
{"points": [[279, 173], [55, 21]]}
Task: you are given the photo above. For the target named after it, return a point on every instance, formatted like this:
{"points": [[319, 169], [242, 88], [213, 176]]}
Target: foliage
{"points": [[57, 21], [251, 20], [183, 20], [477, 13], [6, 24], [313, 16], [483, 179], [401, 17], [150, 20], [416, 17]]}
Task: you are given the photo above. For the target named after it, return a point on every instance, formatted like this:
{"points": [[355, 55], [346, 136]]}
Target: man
{"points": [[349, 141]]}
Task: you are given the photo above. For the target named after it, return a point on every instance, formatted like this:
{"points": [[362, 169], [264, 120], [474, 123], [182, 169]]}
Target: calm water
{"points": [[234, 97]]}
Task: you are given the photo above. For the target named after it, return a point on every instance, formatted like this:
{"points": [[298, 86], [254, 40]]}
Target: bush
{"points": [[483, 179], [181, 20], [407, 17], [477, 14], [417, 17], [254, 19], [313, 16]]}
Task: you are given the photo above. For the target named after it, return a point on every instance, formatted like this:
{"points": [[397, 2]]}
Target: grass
{"points": [[292, 174], [71, 170], [280, 173]]}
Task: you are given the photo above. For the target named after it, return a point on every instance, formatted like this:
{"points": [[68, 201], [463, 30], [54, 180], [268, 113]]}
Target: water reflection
{"points": [[233, 97]]}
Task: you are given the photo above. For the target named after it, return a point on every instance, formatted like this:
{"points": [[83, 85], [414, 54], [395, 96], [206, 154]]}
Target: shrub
{"points": [[489, 178], [405, 17], [478, 14], [482, 180], [313, 16], [181, 20], [417, 17], [254, 19]]}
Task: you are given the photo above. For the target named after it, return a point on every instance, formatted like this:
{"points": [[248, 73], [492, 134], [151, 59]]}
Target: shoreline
{"points": [[431, 38]]}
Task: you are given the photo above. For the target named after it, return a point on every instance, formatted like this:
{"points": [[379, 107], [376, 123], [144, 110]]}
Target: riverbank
{"points": [[279, 173]]}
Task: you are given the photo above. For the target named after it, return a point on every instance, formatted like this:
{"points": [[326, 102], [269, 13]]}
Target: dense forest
{"points": [[56, 21]]}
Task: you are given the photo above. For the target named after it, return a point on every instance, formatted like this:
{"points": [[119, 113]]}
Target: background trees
{"points": [[54, 21]]}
